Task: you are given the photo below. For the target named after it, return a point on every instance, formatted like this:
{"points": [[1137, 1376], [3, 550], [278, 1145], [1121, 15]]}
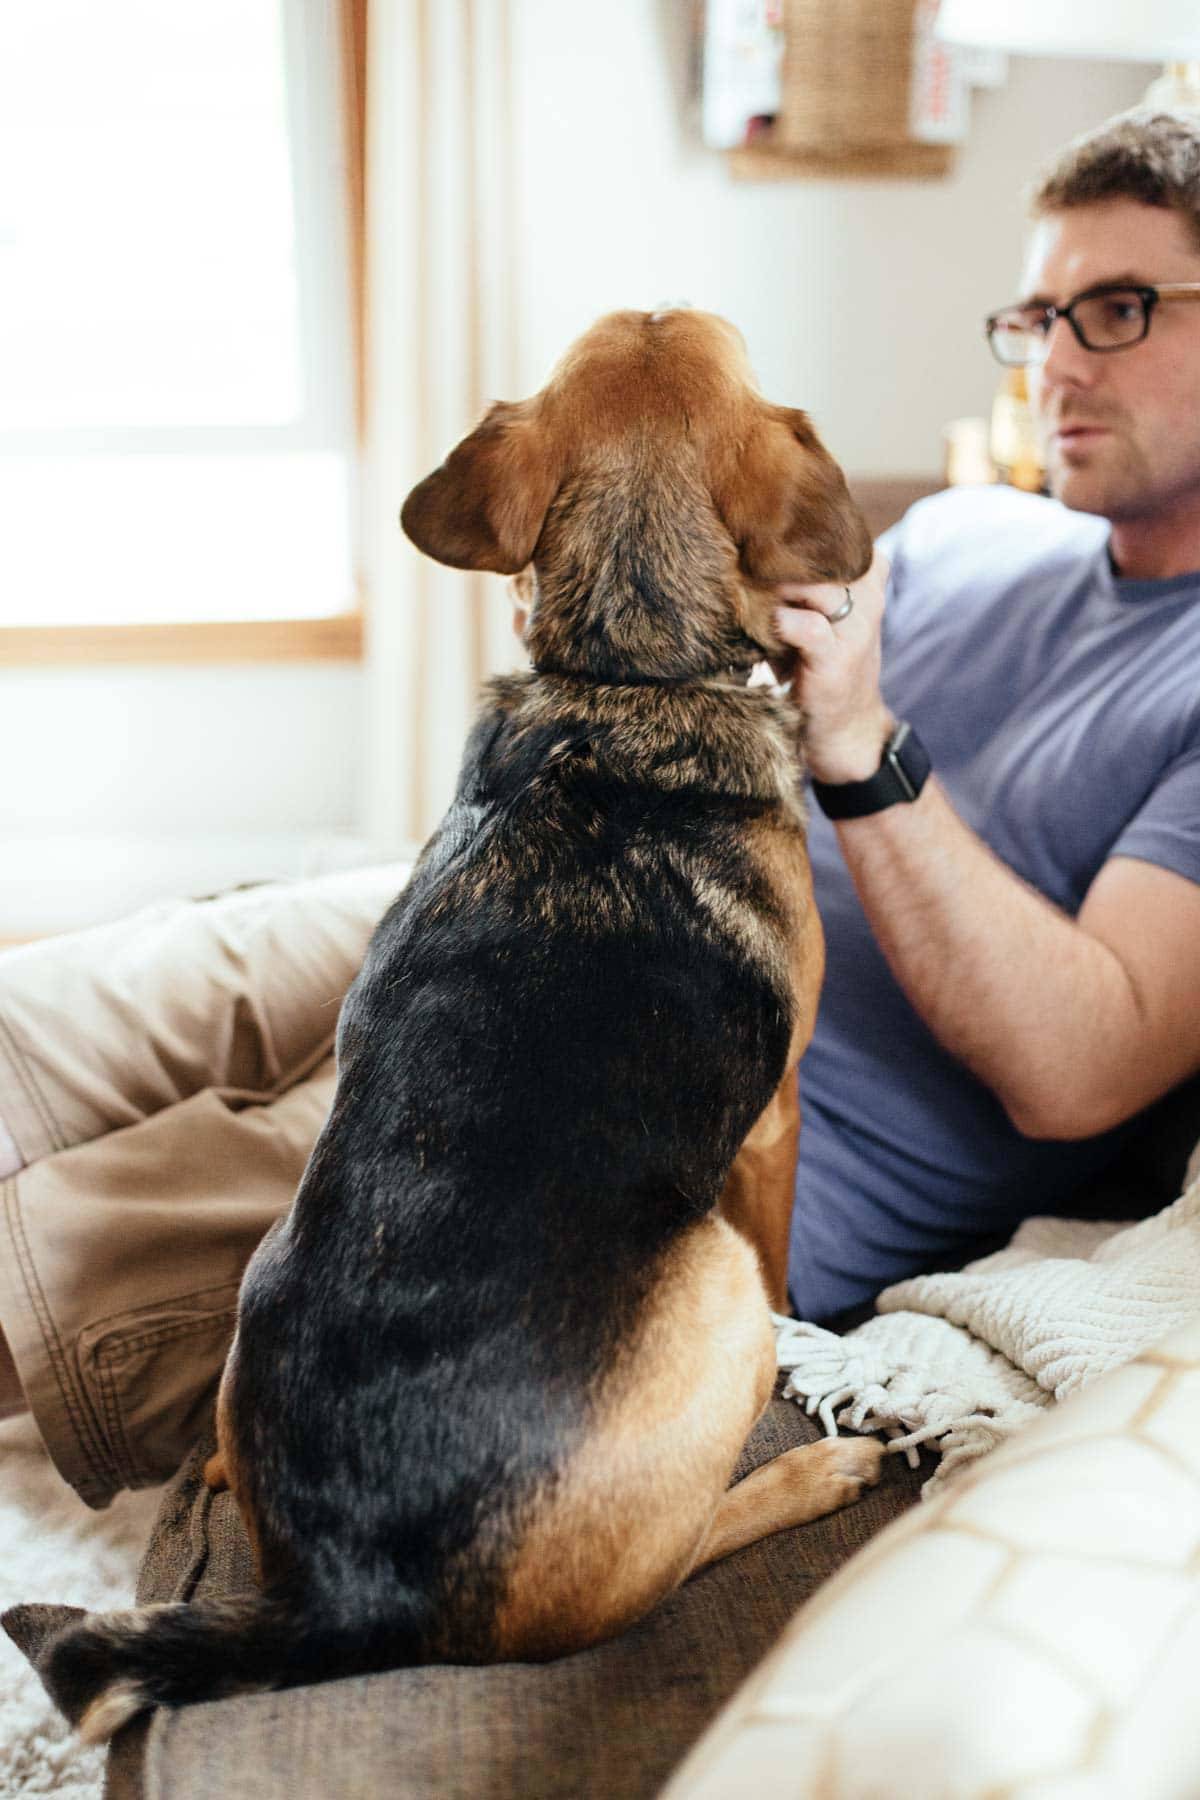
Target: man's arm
{"points": [[1074, 1024]]}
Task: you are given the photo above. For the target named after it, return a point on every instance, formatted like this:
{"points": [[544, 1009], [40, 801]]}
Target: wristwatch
{"points": [[901, 775]]}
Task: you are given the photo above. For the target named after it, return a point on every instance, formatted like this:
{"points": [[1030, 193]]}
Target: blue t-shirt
{"points": [[1061, 708]]}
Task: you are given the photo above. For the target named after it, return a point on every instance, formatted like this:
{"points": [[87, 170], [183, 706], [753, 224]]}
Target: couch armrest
{"points": [[1033, 1631]]}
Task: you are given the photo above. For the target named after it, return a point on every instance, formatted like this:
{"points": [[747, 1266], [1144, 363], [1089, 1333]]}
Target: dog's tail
{"points": [[103, 1669]]}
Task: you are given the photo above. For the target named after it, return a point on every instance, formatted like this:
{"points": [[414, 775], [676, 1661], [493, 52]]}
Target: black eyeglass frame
{"points": [[1148, 295]]}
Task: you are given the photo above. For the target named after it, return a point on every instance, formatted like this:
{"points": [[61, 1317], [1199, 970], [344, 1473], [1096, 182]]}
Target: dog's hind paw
{"points": [[833, 1472]]}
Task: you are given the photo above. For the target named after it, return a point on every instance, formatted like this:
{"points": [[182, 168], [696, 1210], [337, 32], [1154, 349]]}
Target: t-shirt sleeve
{"points": [[891, 542], [1166, 831]]}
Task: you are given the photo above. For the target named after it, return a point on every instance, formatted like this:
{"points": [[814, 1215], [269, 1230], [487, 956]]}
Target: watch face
{"points": [[897, 765]]}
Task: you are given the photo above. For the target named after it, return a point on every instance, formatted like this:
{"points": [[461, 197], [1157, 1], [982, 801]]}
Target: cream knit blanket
{"points": [[961, 1361]]}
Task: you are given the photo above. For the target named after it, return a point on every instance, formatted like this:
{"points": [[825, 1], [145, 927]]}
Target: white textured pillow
{"points": [[1032, 1632]]}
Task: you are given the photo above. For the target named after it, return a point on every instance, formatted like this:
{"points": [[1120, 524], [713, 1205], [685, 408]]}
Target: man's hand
{"points": [[835, 672]]}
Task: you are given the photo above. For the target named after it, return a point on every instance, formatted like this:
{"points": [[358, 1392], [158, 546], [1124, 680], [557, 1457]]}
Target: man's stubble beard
{"points": [[1113, 483]]}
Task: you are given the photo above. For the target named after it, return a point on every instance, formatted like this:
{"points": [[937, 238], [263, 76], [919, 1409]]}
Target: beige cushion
{"points": [[612, 1722], [1033, 1632]]}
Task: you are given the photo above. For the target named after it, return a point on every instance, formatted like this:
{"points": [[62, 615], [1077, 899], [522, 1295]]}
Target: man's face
{"points": [[1121, 429]]}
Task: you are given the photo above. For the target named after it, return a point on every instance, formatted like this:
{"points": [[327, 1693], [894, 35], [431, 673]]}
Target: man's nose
{"points": [[1066, 362]]}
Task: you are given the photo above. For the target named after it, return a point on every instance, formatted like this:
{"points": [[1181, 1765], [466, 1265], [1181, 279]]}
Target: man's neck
{"points": [[1158, 547]]}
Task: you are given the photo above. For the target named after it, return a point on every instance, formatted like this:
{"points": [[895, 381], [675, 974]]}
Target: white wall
{"points": [[860, 301], [118, 785]]}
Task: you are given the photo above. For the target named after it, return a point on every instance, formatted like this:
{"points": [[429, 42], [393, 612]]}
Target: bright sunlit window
{"points": [[175, 351]]}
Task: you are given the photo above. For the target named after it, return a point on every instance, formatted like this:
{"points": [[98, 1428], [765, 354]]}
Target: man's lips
{"points": [[1076, 435]]}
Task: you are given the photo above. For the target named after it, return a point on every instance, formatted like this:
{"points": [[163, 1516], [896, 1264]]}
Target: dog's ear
{"points": [[485, 506], [786, 505]]}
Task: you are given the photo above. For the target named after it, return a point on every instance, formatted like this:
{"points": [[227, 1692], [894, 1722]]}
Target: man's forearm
{"points": [[1074, 1024], [1038, 1009]]}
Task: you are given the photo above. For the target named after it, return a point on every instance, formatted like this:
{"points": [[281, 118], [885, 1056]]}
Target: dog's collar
{"points": [[736, 672]]}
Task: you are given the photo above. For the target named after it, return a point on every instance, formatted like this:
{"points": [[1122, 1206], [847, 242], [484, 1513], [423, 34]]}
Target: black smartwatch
{"points": [[900, 777]]}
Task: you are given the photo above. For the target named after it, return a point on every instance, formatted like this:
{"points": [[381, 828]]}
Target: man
{"points": [[1014, 955]]}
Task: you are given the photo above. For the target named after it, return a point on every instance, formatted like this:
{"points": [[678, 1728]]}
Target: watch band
{"points": [[901, 775]]}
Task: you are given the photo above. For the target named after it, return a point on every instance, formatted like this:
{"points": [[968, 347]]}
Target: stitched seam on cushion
{"points": [[194, 1574], [33, 1093], [105, 1362], [72, 1398]]}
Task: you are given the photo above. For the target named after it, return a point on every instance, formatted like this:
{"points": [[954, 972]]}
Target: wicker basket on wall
{"points": [[845, 99]]}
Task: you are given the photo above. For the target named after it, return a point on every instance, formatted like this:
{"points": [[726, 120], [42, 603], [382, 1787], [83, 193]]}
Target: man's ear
{"points": [[786, 505], [484, 508]]}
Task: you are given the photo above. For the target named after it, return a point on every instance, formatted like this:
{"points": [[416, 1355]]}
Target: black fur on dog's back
{"points": [[497, 1184]]}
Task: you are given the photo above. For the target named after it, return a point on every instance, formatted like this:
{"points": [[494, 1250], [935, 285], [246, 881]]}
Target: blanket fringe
{"points": [[852, 1383]]}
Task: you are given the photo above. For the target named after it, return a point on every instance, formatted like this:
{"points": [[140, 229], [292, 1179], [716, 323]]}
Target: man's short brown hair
{"points": [[1149, 156]]}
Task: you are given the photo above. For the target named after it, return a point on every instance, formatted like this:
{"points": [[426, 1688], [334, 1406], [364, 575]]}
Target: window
{"points": [[176, 355]]}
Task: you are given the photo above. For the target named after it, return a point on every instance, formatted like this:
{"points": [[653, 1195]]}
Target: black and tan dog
{"points": [[493, 1371]]}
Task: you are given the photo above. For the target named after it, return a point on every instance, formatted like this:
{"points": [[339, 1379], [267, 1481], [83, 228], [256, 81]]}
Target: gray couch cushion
{"points": [[609, 1724]]}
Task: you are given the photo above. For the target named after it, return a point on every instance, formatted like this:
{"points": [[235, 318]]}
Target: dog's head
{"points": [[658, 497]]}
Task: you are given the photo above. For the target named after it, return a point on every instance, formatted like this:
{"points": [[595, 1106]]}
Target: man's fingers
{"points": [[807, 631], [826, 597], [822, 596]]}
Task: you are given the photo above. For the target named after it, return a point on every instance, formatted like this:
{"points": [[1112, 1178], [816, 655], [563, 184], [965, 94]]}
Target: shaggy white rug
{"points": [[53, 1547]]}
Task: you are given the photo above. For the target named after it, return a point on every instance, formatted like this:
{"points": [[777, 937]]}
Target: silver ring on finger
{"points": [[843, 611]]}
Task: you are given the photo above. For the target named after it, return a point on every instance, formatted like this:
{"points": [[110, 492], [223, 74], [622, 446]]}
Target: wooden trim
{"points": [[903, 162], [338, 637]]}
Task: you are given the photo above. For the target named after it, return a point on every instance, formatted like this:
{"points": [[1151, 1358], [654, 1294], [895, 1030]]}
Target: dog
{"points": [[493, 1371]]}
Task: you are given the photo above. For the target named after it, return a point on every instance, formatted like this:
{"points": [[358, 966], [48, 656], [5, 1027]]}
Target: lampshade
{"points": [[1124, 30]]}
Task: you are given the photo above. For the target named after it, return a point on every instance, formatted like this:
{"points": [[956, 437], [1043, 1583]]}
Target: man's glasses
{"points": [[1104, 318]]}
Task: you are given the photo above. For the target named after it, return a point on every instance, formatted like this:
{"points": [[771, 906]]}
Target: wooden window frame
{"points": [[337, 636]]}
